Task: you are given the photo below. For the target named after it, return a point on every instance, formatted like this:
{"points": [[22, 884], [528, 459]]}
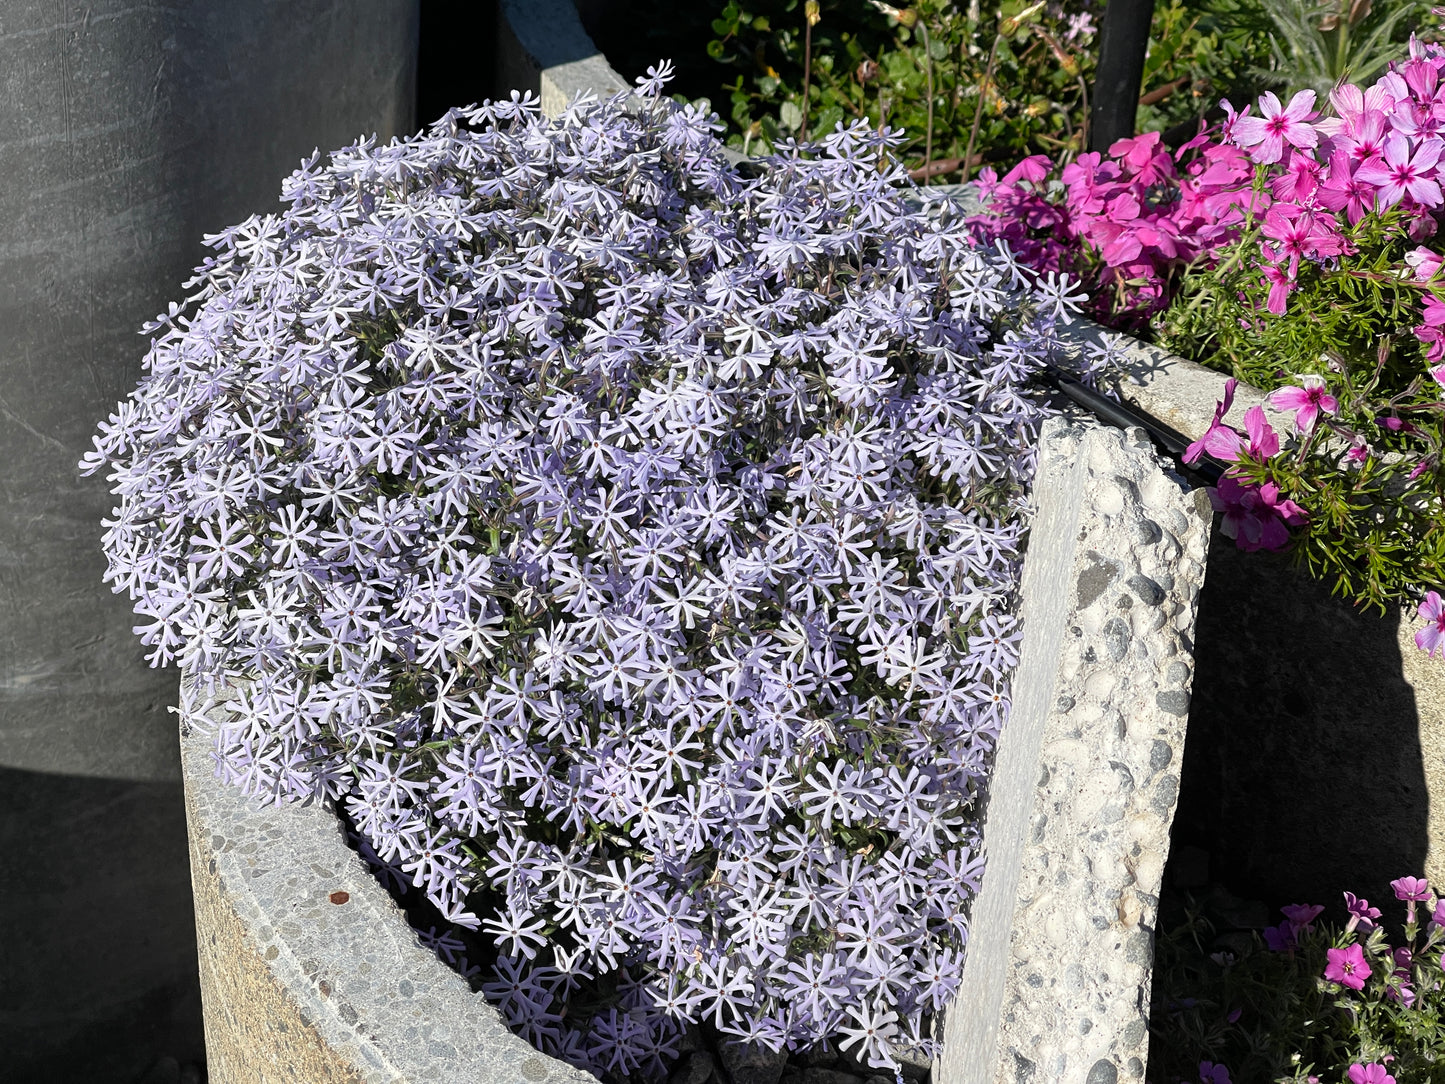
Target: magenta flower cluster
{"points": [[1361, 965], [1143, 221], [1256, 516], [630, 545], [1139, 218]]}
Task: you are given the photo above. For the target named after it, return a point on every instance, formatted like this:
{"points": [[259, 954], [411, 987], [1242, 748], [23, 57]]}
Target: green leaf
{"points": [[828, 119], [790, 115], [1162, 52]]}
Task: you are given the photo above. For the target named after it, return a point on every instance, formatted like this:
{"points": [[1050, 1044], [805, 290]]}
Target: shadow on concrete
{"points": [[456, 56], [98, 951], [1303, 775]]}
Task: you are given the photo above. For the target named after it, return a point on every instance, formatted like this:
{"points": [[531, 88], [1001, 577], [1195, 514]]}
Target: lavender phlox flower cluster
{"points": [[629, 546]]}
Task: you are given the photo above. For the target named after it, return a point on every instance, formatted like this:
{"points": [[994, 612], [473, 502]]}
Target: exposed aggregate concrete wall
{"points": [[1076, 831]]}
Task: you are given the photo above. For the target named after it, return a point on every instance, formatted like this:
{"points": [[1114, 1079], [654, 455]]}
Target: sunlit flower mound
{"points": [[628, 544]]}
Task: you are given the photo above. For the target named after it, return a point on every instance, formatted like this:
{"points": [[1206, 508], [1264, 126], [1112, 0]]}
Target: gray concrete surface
{"points": [[126, 132], [542, 47], [1076, 826], [309, 971]]}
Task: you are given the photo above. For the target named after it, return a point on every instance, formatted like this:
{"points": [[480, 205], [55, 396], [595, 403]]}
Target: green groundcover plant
{"points": [[976, 83], [970, 83], [1304, 1003]]}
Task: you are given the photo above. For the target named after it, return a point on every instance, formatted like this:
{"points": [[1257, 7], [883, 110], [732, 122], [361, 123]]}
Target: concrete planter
{"points": [[309, 971]]}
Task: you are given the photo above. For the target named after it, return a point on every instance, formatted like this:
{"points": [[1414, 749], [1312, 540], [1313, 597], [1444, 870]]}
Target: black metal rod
{"points": [[1123, 42], [1170, 440]]}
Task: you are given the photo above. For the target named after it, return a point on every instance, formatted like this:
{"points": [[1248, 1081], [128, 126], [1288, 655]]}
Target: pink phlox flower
{"points": [[1080, 26], [1421, 111], [1210, 1073], [1301, 915], [1142, 157], [1123, 208], [1120, 242], [1307, 402], [1201, 139], [1416, 120], [1434, 338], [1155, 233], [1420, 468], [1431, 51], [1033, 169], [1255, 516], [1347, 966], [1437, 914], [1372, 1073], [1358, 455], [1368, 142], [1279, 938], [1432, 331], [1395, 424], [1404, 171], [1277, 125], [1219, 440], [1421, 77], [1403, 958], [1361, 910], [1225, 166], [1088, 181], [1231, 120], [1424, 263], [1421, 225], [1290, 513], [1439, 374], [1301, 233], [1299, 180], [1395, 87], [1281, 283], [1361, 113], [1405, 994], [1343, 189], [1263, 440], [1041, 215], [986, 183], [1432, 637], [1411, 888]]}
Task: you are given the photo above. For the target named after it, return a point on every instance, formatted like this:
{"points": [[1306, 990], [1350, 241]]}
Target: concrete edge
{"points": [[1007, 808], [542, 47], [309, 970], [1178, 392], [1085, 780]]}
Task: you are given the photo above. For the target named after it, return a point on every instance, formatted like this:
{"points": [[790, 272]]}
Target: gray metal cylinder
{"points": [[126, 132]]}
